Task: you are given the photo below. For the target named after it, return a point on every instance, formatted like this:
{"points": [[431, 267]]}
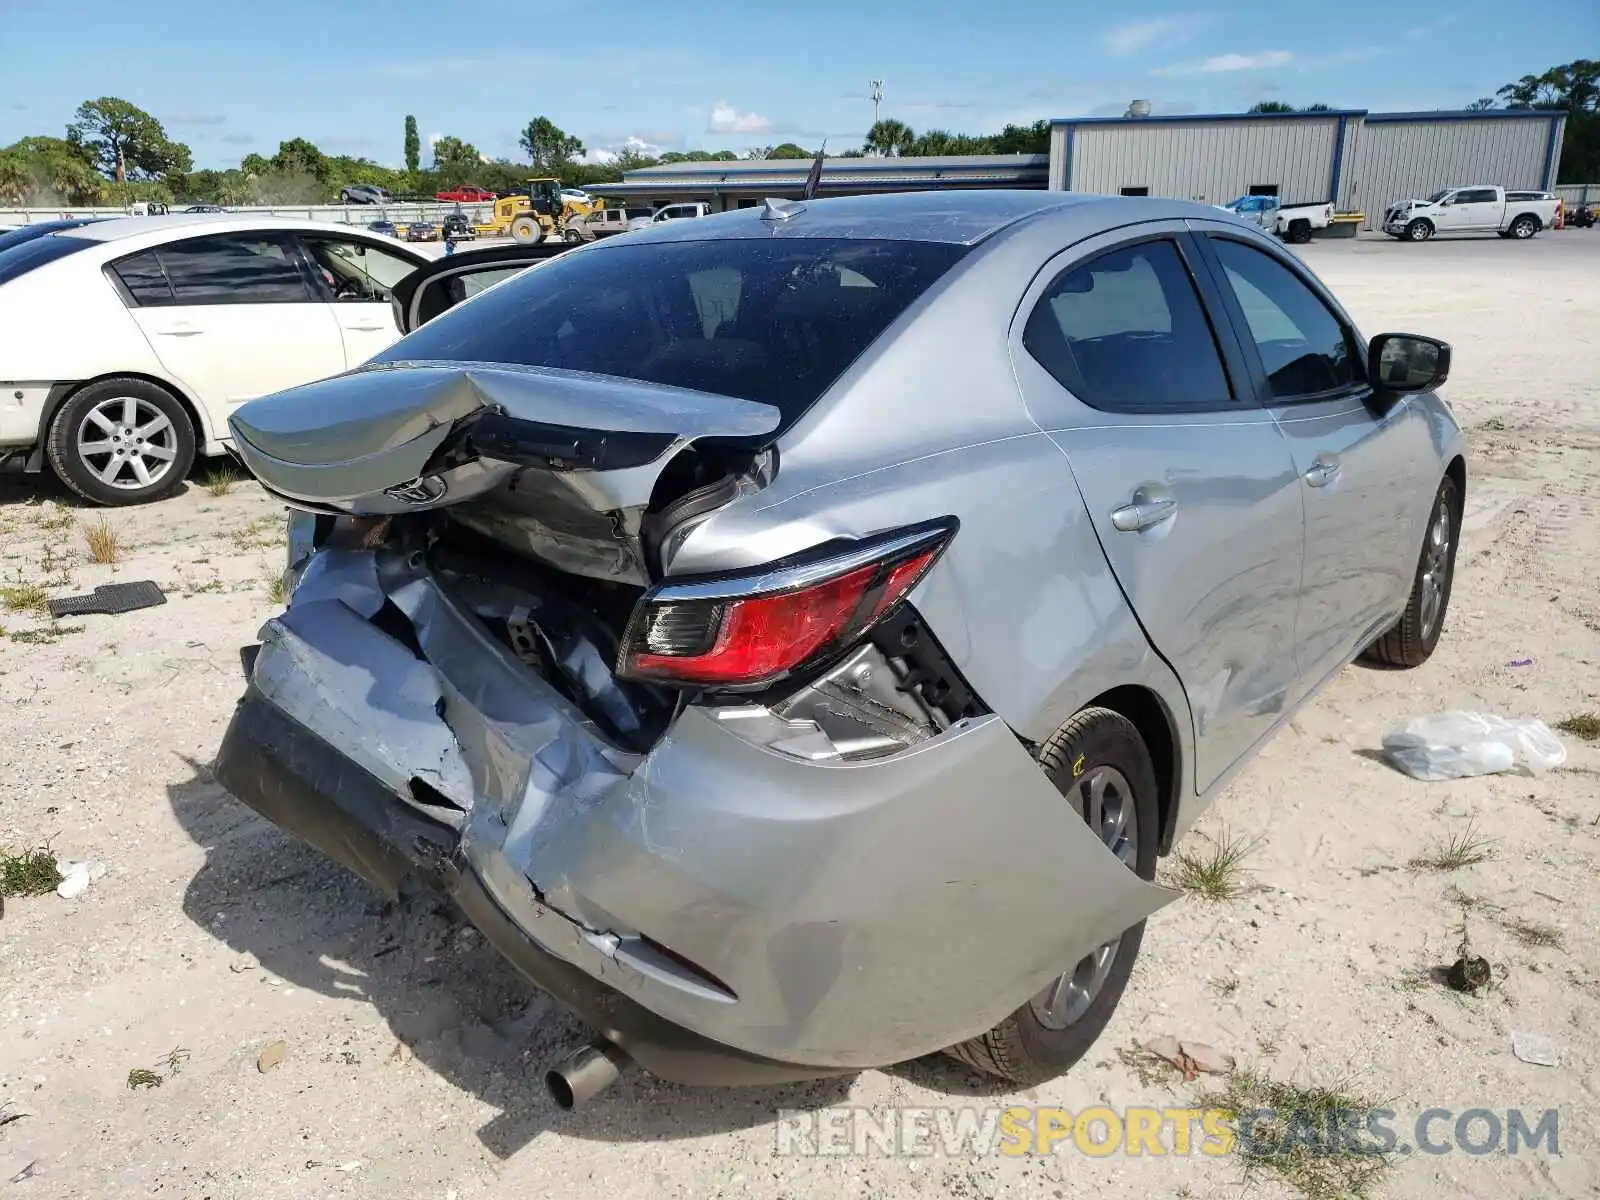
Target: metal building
{"points": [[1210, 159], [1397, 156], [746, 183], [1360, 160]]}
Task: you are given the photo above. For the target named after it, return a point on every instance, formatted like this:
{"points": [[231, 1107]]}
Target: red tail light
{"points": [[751, 630]]}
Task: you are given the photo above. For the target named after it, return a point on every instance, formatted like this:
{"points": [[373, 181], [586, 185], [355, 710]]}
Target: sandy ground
{"points": [[213, 934]]}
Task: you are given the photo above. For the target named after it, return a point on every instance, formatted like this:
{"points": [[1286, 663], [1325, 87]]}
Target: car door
{"points": [[232, 316], [1357, 459], [358, 279], [1188, 482], [1478, 210], [445, 282]]}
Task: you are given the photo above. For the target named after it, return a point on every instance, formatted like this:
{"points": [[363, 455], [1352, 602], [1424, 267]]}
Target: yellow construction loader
{"points": [[543, 211]]}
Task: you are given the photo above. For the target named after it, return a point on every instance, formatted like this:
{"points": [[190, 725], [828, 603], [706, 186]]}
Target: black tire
{"points": [[572, 235], [1524, 227], [82, 474], [1021, 1048], [1411, 641], [1419, 230], [1299, 232]]}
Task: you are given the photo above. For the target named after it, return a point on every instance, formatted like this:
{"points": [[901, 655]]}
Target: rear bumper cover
{"points": [[723, 910]]}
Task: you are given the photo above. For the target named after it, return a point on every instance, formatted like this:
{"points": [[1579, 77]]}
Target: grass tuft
{"points": [[143, 1077], [103, 541], [1535, 933], [1313, 1138], [30, 873], [220, 480], [1582, 725], [1467, 848], [1216, 873], [277, 587]]}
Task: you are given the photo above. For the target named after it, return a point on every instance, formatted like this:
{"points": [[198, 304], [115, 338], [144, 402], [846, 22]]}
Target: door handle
{"points": [[1143, 512], [1324, 471], [180, 331], [365, 328]]}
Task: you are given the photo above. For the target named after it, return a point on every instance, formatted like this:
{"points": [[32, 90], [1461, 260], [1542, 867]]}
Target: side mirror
{"points": [[1407, 362]]}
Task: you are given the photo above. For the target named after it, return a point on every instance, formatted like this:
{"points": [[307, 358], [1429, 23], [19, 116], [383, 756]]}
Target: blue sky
{"points": [[230, 79]]}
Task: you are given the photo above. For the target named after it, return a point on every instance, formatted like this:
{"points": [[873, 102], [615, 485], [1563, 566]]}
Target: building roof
{"points": [[1492, 114], [1189, 118], [838, 174]]}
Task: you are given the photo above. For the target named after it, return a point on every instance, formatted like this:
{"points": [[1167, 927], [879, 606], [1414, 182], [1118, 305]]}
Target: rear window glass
{"points": [[772, 320], [35, 252], [26, 233]]}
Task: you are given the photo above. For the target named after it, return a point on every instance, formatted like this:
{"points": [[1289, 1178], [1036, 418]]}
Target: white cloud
{"points": [[1431, 28], [1132, 36], [632, 144], [433, 140], [1220, 63], [727, 119]]}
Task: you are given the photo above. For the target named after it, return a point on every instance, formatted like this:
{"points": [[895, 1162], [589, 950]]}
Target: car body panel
{"points": [[559, 824]]}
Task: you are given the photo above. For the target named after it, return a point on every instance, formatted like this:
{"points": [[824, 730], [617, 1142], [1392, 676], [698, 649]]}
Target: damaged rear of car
{"points": [[596, 634]]}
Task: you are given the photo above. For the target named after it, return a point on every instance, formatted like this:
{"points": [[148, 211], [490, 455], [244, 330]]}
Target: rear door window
{"points": [[1126, 332], [146, 282], [233, 268], [777, 321]]}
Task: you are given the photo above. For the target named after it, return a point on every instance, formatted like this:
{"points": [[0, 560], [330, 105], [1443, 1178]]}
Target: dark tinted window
{"points": [[234, 268], [35, 252], [1476, 196], [146, 282], [773, 320], [1304, 347], [1126, 331]]}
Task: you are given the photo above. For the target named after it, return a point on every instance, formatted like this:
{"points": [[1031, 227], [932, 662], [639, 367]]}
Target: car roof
{"points": [[117, 228], [958, 217]]}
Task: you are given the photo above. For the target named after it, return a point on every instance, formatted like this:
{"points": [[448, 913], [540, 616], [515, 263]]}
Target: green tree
{"points": [[1270, 106], [50, 170], [254, 164], [889, 137], [1481, 104], [126, 141], [16, 180], [1572, 88], [1023, 139], [455, 161], [413, 145], [789, 150], [1316, 108], [547, 146], [297, 156]]}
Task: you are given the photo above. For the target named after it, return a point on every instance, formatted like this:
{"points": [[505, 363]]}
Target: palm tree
{"points": [[888, 137], [16, 181]]}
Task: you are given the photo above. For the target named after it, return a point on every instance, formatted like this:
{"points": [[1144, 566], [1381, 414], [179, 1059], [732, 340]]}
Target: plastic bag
{"points": [[1456, 745]]}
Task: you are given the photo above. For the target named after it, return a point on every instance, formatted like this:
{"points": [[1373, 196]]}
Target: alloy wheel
{"points": [[1435, 567], [1104, 799], [127, 443]]}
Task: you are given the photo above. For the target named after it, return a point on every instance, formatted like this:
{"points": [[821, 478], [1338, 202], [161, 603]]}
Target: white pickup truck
{"points": [[1292, 222], [1474, 209]]}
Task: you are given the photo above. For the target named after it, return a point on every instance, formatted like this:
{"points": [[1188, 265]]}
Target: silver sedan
{"points": [[793, 636]]}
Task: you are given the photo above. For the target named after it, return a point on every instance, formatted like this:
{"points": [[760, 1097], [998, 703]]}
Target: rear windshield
{"points": [[772, 320], [35, 252], [26, 233]]}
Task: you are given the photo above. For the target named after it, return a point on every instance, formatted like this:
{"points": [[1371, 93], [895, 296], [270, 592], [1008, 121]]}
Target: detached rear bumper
{"points": [[724, 910], [303, 785]]}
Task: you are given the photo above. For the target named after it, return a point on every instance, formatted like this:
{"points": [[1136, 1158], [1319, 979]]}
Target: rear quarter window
{"points": [[771, 320]]}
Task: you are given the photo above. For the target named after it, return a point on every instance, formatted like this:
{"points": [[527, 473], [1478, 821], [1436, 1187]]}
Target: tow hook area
{"points": [[585, 1073]]}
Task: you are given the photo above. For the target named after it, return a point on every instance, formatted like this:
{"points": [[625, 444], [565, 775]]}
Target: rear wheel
{"points": [[1524, 227], [1101, 766], [1299, 232], [121, 441], [572, 234], [1411, 641], [1419, 230]]}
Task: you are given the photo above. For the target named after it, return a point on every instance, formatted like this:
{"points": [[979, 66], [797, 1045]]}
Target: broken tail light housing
{"points": [[747, 631]]}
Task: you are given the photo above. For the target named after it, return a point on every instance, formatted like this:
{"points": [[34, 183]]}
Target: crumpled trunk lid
{"points": [[545, 459]]}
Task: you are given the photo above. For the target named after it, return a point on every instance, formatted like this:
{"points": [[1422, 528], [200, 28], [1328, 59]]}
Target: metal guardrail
{"points": [[400, 212]]}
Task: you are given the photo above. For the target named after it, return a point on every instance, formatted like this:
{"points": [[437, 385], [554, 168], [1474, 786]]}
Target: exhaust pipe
{"points": [[585, 1073]]}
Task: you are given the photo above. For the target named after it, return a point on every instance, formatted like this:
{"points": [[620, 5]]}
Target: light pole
{"points": [[877, 98]]}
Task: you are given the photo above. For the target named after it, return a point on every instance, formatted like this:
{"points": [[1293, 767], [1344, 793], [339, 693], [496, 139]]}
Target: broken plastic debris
{"points": [[1534, 1048], [75, 878], [245, 962], [1192, 1058], [271, 1055], [1457, 745]]}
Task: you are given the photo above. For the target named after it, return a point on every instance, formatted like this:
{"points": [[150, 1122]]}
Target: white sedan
{"points": [[128, 342]]}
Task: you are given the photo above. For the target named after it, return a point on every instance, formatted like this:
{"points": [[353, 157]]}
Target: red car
{"points": [[467, 193]]}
